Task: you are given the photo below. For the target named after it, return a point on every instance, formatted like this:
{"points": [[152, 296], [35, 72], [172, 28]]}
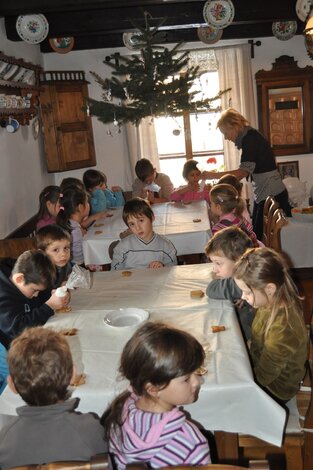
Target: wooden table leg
{"points": [[227, 446]]}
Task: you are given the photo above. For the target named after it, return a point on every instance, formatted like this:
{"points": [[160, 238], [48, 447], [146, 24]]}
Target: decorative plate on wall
{"points": [[284, 30], [32, 28], [219, 13], [303, 8], [62, 45], [209, 35], [132, 40]]}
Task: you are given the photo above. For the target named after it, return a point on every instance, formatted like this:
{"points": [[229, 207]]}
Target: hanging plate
{"points": [[219, 13], [32, 28], [209, 35], [132, 41], [62, 45], [284, 30], [303, 8]]}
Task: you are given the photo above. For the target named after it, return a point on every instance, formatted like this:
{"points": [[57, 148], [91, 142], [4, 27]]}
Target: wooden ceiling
{"points": [[98, 24]]}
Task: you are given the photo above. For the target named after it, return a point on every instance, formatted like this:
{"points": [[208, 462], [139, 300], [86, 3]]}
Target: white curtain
{"points": [[235, 72]]}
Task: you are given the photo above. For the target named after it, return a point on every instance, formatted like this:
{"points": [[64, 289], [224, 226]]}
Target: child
{"points": [[143, 248], [147, 175], [144, 423], [227, 206], [279, 340], [75, 207], [49, 206], [233, 181], [21, 302], [102, 198], [193, 191], [48, 428], [56, 243], [71, 182], [224, 249]]}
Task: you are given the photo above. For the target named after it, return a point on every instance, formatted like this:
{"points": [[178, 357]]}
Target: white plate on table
{"points": [[126, 317]]}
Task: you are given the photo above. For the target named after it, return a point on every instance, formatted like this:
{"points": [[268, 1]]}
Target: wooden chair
{"points": [[298, 437], [270, 206], [275, 223], [98, 462], [13, 247], [253, 464]]}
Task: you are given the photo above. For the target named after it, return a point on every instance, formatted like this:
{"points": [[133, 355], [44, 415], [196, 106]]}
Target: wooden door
{"points": [[68, 132]]}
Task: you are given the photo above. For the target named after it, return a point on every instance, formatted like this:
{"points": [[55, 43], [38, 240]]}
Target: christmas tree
{"points": [[154, 82]]}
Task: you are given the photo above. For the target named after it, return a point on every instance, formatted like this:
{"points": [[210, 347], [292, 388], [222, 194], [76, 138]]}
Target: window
{"points": [[191, 135]]}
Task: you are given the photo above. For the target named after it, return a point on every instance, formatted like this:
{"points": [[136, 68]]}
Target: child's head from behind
{"points": [[225, 199], [49, 203], [191, 172], [40, 366], [159, 359], [56, 243], [71, 182], [225, 248], [74, 202], [233, 181], [33, 272], [145, 171], [263, 277], [94, 179], [138, 216]]}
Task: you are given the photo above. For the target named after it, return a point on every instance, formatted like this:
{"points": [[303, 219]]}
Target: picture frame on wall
{"points": [[288, 169]]}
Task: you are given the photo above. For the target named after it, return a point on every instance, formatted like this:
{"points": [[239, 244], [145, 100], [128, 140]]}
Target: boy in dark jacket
{"points": [[224, 249]]}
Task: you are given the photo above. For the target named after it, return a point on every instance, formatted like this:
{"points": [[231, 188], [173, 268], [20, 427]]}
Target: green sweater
{"points": [[279, 359]]}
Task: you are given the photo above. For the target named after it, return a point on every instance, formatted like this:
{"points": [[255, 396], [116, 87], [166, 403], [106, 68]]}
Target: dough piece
{"points": [[78, 380], [68, 331], [196, 220], [98, 225], [64, 309], [217, 328], [126, 273], [197, 294], [97, 232]]}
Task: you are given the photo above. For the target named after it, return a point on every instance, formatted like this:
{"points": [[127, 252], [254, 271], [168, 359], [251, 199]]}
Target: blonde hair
{"points": [[228, 198], [230, 117], [261, 266]]}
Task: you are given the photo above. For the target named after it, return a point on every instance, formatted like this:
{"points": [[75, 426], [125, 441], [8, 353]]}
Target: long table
{"points": [[187, 226], [297, 243], [229, 399]]}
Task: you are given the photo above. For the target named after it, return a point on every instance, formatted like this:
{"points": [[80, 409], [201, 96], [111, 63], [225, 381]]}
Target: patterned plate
{"points": [[32, 28], [209, 35], [62, 45], [284, 30], [219, 13]]}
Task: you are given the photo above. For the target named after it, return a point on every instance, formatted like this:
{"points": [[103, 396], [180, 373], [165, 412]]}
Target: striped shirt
{"points": [[227, 220], [161, 439]]}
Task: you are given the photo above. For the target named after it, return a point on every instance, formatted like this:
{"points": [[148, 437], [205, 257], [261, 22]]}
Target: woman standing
{"points": [[257, 160]]}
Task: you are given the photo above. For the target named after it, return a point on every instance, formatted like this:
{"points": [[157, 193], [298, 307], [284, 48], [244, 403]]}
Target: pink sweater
{"points": [[203, 195]]}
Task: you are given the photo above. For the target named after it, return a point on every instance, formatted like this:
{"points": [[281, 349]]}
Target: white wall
{"points": [[22, 165], [23, 172]]}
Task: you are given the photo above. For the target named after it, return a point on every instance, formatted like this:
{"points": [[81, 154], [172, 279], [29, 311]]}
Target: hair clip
{"points": [[61, 208], [61, 195], [219, 198]]}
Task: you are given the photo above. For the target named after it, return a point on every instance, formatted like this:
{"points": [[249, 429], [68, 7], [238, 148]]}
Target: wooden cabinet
{"points": [[68, 136], [19, 89]]}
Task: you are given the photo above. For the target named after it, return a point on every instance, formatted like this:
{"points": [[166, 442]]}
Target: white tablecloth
{"points": [[229, 399], [297, 243], [173, 220]]}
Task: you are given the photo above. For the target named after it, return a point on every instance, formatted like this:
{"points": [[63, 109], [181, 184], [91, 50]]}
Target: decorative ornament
{"points": [[176, 132], [62, 45], [150, 91], [284, 30], [32, 28]]}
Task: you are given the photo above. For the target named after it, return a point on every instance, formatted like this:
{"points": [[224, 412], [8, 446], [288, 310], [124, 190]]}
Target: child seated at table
{"points": [[151, 185], [146, 423], [143, 248], [49, 206], [56, 243], [279, 339], [102, 198], [238, 185], [228, 206], [223, 250], [48, 428], [21, 302], [193, 191]]}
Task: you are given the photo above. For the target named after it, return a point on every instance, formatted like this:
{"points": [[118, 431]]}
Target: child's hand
{"points": [[194, 187], [115, 189], [151, 197], [56, 302], [207, 187], [100, 215], [156, 265]]}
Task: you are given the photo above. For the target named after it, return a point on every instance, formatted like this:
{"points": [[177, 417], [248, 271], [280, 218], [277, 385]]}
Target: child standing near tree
{"points": [[144, 423], [227, 206], [279, 339], [193, 191]]}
